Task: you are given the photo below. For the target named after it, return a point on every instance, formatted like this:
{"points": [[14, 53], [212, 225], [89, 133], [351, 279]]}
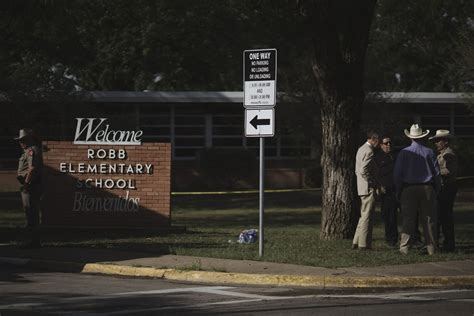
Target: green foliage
{"points": [[465, 151], [145, 45], [415, 40], [226, 167], [37, 47], [460, 65], [51, 48]]}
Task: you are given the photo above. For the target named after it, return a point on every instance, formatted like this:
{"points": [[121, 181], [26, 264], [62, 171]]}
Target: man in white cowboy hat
{"points": [[367, 185], [448, 165], [29, 175], [417, 181]]}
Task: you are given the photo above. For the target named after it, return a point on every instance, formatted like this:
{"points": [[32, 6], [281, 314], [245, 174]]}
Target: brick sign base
{"points": [[106, 186]]}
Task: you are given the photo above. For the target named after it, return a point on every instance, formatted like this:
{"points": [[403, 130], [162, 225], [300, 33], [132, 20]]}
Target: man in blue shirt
{"points": [[417, 182]]}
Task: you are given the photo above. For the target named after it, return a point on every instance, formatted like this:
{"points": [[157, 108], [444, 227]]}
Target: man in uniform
{"points": [[417, 182], [448, 165], [29, 175]]}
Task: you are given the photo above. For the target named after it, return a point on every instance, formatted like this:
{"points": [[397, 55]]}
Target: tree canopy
{"points": [[54, 47]]}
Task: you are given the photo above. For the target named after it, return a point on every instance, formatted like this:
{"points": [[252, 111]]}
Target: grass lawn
{"points": [[292, 224]]}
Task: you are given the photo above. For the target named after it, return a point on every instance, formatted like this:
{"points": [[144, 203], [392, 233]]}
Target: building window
{"points": [[189, 135], [227, 131]]}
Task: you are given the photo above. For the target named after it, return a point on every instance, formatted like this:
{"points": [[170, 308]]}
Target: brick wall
{"points": [[136, 194]]}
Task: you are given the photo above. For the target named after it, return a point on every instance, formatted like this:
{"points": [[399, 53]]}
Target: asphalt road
{"points": [[26, 292]]}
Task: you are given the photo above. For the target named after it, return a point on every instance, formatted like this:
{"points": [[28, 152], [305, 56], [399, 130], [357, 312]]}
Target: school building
{"points": [[210, 125]]}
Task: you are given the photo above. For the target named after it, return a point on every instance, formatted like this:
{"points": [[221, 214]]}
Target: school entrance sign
{"points": [[106, 177]]}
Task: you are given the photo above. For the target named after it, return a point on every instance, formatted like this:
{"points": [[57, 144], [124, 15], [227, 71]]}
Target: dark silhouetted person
{"points": [[385, 159], [30, 167]]}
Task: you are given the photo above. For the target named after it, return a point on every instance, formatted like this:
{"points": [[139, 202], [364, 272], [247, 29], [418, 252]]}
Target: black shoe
{"points": [[354, 246], [392, 245], [418, 244]]}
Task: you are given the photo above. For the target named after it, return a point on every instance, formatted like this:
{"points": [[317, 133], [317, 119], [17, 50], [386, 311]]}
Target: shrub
{"points": [[464, 149]]}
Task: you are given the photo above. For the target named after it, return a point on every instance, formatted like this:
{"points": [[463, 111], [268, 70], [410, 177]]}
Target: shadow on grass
{"points": [[282, 209], [291, 200], [245, 221], [213, 220], [99, 248]]}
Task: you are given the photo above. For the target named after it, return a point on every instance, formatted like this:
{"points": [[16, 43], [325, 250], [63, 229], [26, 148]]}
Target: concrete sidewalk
{"points": [[223, 271]]}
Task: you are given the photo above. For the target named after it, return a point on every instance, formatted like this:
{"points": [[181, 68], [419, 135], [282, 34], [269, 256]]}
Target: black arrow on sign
{"points": [[255, 122]]}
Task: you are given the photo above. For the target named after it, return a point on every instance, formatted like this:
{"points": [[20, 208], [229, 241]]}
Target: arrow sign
{"points": [[255, 122], [259, 123]]}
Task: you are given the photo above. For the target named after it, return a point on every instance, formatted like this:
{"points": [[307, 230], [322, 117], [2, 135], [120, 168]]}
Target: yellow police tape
{"points": [[268, 191], [243, 192]]}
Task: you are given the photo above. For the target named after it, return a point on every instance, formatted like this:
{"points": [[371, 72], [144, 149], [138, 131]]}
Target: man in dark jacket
{"points": [[385, 160]]}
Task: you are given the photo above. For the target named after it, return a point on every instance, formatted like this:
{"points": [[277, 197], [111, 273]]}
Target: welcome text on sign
{"points": [[95, 133]]}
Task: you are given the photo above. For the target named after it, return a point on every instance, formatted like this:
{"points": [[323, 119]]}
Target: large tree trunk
{"points": [[340, 119], [340, 38]]}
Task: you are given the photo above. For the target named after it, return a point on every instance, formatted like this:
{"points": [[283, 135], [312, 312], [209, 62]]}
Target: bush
{"points": [[464, 148]]}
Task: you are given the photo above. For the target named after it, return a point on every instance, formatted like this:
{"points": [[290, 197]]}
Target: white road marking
{"points": [[21, 305], [181, 307], [259, 298], [169, 291], [409, 296], [247, 298], [247, 295], [470, 300], [14, 261]]}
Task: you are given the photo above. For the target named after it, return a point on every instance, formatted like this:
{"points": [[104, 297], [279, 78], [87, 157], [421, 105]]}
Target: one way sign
{"points": [[259, 123]]}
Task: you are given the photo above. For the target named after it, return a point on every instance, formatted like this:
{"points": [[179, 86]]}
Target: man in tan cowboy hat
{"points": [[417, 181], [448, 165], [30, 167]]}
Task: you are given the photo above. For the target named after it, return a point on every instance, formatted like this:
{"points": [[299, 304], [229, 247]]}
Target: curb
{"points": [[319, 281]]}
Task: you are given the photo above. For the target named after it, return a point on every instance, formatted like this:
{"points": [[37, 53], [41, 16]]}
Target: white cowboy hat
{"points": [[441, 133], [416, 132], [23, 133]]}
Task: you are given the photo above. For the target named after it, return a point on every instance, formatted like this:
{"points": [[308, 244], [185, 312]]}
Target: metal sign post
{"points": [[259, 100], [261, 196]]}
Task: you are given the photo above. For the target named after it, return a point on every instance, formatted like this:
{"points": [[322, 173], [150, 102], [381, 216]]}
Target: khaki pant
{"points": [[363, 234], [418, 200]]}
